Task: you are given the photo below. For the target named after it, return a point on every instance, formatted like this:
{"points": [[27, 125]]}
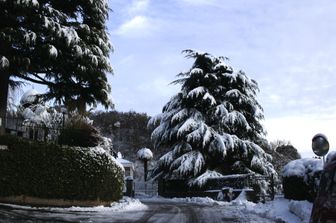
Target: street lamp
{"points": [[320, 145]]}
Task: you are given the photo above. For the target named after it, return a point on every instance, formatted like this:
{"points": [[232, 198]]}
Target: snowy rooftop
{"points": [[123, 161]]}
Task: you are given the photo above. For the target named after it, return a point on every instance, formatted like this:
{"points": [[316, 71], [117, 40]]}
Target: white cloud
{"points": [[200, 2], [138, 26], [161, 87], [138, 6], [286, 46], [299, 130]]}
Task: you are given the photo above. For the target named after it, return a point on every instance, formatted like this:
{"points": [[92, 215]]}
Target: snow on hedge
{"points": [[145, 154], [98, 151], [302, 168]]}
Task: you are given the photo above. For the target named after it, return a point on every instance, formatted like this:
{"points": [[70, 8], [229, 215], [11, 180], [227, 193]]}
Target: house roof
{"points": [[123, 161]]}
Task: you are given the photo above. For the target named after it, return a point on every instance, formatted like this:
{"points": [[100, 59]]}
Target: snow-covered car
{"points": [[324, 208]]}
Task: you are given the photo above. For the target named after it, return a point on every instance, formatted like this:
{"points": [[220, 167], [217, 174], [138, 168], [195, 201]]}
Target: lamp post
{"points": [[320, 145], [145, 155]]}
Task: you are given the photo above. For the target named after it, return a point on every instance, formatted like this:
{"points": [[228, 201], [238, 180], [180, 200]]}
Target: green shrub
{"points": [[54, 172], [78, 132]]}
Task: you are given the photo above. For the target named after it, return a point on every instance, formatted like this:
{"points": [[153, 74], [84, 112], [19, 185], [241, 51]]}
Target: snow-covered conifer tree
{"points": [[61, 44], [212, 125]]}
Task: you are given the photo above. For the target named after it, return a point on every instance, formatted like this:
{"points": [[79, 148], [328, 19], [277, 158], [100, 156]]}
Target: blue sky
{"points": [[287, 46]]}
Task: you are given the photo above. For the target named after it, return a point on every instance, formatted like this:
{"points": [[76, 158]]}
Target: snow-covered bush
{"points": [[301, 179], [36, 114], [212, 125], [57, 172]]}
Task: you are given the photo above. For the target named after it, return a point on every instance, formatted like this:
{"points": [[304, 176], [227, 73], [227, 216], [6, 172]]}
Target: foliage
{"points": [[53, 172], [282, 152], [78, 132], [64, 46], [128, 131], [211, 124], [112, 120]]}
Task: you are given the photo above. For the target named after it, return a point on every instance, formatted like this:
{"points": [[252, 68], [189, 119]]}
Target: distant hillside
{"points": [[128, 131]]}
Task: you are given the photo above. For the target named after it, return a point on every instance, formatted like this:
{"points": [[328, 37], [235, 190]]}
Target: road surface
{"points": [[158, 212]]}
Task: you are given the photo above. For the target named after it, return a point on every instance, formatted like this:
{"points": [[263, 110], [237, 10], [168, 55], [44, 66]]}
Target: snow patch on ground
{"points": [[125, 204], [192, 200], [198, 200], [280, 209], [283, 209]]}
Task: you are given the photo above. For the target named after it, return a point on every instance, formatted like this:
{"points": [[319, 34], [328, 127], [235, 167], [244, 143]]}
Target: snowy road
{"points": [[152, 212], [191, 213]]}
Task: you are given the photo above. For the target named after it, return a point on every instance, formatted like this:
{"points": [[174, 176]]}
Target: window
{"points": [[127, 171]]}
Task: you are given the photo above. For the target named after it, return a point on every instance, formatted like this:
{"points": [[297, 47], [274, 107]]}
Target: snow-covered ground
{"points": [[155, 208], [278, 209]]}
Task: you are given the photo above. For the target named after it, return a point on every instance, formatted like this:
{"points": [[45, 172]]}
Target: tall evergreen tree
{"points": [[212, 126], [60, 44]]}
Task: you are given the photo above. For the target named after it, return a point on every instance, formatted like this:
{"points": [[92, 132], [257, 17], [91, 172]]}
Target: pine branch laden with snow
{"points": [[201, 180], [145, 154], [4, 62], [65, 42], [190, 163], [212, 123]]}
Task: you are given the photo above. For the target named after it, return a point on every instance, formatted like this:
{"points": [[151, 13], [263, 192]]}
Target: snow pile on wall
{"points": [[301, 209], [302, 168]]}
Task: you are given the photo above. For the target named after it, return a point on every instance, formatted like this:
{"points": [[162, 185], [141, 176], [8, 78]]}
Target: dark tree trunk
{"points": [[4, 82]]}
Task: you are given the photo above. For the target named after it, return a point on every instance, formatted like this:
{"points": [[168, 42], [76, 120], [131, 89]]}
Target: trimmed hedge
{"points": [[301, 178], [53, 172], [295, 188]]}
